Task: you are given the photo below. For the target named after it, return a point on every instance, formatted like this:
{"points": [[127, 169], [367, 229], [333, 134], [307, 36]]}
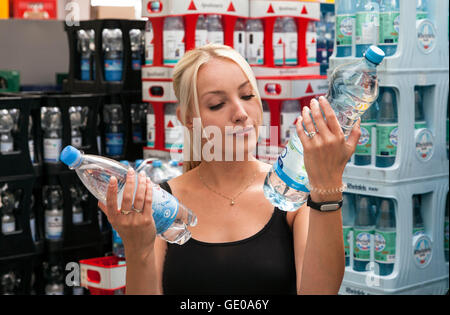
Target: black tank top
{"points": [[262, 264]]}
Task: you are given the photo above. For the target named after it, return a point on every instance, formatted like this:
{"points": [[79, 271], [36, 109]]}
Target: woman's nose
{"points": [[239, 113]]}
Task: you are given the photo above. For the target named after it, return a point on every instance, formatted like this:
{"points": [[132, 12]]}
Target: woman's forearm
{"points": [[141, 276]]}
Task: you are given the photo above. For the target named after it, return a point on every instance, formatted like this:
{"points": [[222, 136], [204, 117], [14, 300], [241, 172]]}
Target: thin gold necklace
{"points": [[232, 200]]}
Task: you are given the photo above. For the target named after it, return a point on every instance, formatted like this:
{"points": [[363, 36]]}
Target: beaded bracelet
{"points": [[328, 191]]}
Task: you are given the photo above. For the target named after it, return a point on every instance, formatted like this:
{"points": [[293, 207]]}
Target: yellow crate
{"points": [[4, 9]]}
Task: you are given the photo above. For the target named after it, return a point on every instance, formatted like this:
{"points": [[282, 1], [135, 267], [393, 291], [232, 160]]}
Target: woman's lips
{"points": [[241, 131]]}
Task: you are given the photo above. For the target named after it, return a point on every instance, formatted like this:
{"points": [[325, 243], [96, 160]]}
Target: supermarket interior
{"points": [[97, 75]]}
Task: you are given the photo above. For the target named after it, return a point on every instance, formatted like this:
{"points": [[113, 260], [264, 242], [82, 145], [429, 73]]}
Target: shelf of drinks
{"points": [[415, 259]]}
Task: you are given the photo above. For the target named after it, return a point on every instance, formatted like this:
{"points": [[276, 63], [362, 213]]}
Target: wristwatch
{"points": [[324, 206]]}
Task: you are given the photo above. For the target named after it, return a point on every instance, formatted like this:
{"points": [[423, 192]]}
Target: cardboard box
{"points": [[104, 12]]}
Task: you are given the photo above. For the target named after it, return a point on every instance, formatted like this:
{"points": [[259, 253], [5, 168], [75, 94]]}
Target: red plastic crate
{"points": [[103, 275]]}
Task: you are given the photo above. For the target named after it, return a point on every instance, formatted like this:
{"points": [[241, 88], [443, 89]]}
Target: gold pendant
{"points": [[232, 202]]}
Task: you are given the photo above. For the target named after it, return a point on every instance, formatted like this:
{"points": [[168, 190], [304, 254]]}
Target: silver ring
{"points": [[311, 134], [136, 210], [125, 212]]}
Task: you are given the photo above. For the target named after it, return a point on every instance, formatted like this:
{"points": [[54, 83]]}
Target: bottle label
{"points": [[113, 69], [385, 246], [114, 144], [344, 29], [255, 48], [311, 47], [361, 250], [165, 209], [151, 130], [53, 227], [290, 167], [77, 218], [149, 48], [201, 37], [173, 132], [389, 27], [424, 142], [52, 149], [422, 250], [364, 146], [426, 36], [239, 42], [136, 64], [215, 37], [387, 139], [347, 239], [8, 227], [367, 24], [6, 146], [173, 46], [85, 69], [116, 238]]}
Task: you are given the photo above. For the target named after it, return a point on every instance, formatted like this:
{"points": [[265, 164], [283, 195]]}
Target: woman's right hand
{"points": [[137, 230]]}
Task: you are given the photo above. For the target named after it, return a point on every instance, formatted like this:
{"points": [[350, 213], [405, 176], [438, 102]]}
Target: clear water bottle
{"points": [[149, 46], [201, 32], [422, 10], [171, 169], [215, 29], [348, 218], [137, 43], [114, 137], [173, 34], [171, 217], [51, 123], [291, 38], [85, 54], [385, 238], [418, 226], [254, 44], [419, 121], [353, 89], [363, 152], [75, 126], [279, 42], [311, 42], [157, 174], [53, 202], [239, 36], [387, 129], [345, 25], [363, 228], [7, 211], [6, 127], [367, 25], [389, 26], [113, 54]]}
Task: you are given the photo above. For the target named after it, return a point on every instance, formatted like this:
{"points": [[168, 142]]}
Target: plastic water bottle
{"points": [[418, 226], [385, 238], [137, 48], [348, 218], [389, 26], [345, 26], [6, 126], [138, 124], [84, 41], [75, 126], [173, 35], [254, 44], [114, 137], [363, 228], [173, 131], [215, 29], [363, 152], [353, 89], [170, 169], [8, 219], [53, 201], [171, 217], [311, 42], [422, 10], [113, 54], [290, 110], [387, 129], [201, 32], [51, 123], [419, 121], [149, 46], [367, 25], [239, 36], [157, 174]]}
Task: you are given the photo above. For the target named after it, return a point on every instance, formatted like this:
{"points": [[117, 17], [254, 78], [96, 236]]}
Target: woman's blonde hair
{"points": [[185, 86]]}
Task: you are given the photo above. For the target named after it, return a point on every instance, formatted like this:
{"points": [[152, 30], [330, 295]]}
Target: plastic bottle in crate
{"points": [[173, 37], [422, 9], [387, 129], [137, 43], [84, 49], [114, 137], [363, 228], [201, 32], [254, 44], [171, 217], [389, 26], [53, 202], [138, 124], [348, 218], [278, 42], [367, 25], [215, 29], [150, 126], [51, 123], [6, 127], [7, 211], [290, 110], [113, 54], [345, 26], [385, 238], [75, 126], [149, 46], [363, 152]]}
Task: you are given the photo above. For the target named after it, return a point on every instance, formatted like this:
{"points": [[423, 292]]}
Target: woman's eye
{"points": [[216, 107], [248, 97]]}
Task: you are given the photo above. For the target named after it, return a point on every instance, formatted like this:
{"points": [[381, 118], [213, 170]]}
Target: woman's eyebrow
{"points": [[219, 92]]}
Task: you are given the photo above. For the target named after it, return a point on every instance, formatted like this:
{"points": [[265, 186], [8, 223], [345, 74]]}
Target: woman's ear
{"points": [[188, 123]]}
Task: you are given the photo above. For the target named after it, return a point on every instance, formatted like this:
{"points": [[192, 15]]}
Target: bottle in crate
{"points": [[31, 147], [201, 32], [215, 29], [113, 54], [254, 45], [363, 228], [7, 211], [422, 10], [311, 42], [173, 132], [137, 43], [345, 24], [150, 126], [387, 129], [239, 36], [348, 218], [173, 37], [6, 127], [389, 26], [114, 137], [84, 48], [290, 110], [149, 46], [385, 238], [53, 202], [367, 25], [51, 123], [363, 152]]}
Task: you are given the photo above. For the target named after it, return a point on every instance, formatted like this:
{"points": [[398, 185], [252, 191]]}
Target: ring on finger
{"points": [[125, 212], [311, 134], [136, 210]]}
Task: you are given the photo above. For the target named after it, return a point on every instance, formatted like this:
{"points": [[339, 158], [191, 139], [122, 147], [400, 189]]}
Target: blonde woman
{"points": [[241, 244]]}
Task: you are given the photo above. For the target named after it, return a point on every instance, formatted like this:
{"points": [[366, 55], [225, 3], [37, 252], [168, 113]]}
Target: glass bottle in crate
{"points": [[6, 127], [385, 238], [113, 54], [53, 202], [51, 123]]}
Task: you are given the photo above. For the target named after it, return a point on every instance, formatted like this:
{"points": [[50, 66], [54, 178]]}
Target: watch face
{"points": [[329, 207]]}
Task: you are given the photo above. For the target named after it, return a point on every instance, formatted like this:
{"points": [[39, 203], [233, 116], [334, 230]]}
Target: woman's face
{"points": [[227, 103]]}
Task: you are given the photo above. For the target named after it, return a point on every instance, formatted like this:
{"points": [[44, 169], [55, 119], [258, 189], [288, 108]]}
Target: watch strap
{"points": [[324, 206]]}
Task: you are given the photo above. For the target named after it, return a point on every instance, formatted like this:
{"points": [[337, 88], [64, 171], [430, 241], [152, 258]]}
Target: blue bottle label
{"points": [[114, 144], [113, 69], [116, 238], [136, 64], [85, 70], [165, 209]]}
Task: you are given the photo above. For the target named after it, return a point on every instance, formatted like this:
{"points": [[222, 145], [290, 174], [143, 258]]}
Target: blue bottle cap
{"points": [[70, 155], [157, 163], [374, 55], [173, 163], [138, 163], [125, 162]]}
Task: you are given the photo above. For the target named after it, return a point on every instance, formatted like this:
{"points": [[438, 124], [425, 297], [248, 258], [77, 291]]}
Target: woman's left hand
{"points": [[327, 152]]}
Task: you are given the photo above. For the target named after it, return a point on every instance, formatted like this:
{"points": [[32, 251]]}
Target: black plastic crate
{"points": [[17, 275]]}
